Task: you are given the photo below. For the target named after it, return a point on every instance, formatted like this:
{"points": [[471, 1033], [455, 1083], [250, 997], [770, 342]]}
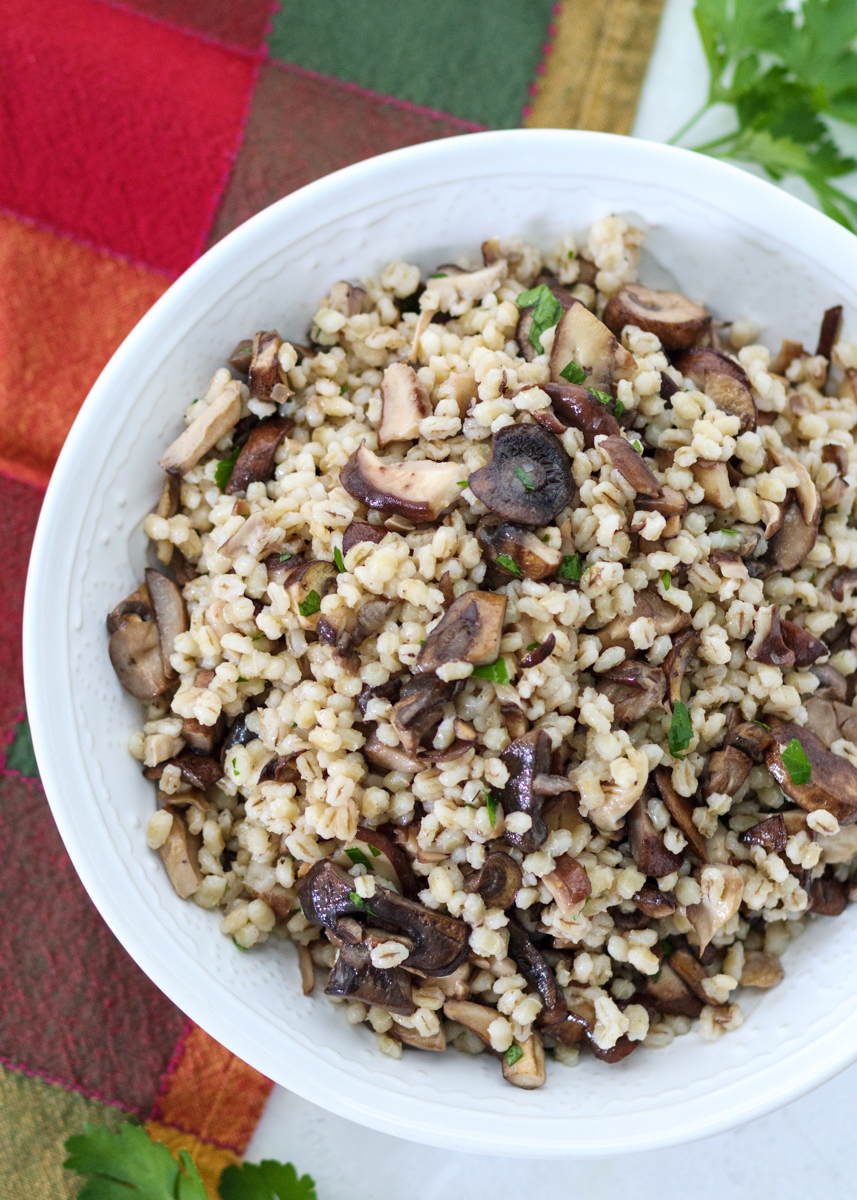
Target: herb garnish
{"points": [[439, 275], [764, 726], [666, 580], [526, 478], [573, 373], [338, 559], [533, 646], [513, 1054], [796, 763], [238, 946], [343, 390], [571, 567], [358, 901], [495, 671], [311, 605], [680, 731], [509, 563], [491, 807], [223, 470], [285, 557], [358, 857], [547, 310]]}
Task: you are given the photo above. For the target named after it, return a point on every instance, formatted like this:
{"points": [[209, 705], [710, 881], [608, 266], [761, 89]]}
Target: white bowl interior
{"points": [[725, 238]]}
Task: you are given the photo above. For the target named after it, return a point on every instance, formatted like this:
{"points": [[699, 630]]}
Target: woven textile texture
{"points": [[133, 135]]}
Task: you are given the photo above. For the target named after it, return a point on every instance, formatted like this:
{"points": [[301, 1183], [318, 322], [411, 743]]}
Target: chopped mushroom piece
{"points": [[728, 770], [537, 971], [255, 463], [420, 708], [713, 478], [647, 844], [722, 379], [829, 333], [681, 810], [528, 479], [307, 584], [532, 659], [634, 689], [356, 978], [307, 970], [418, 1041], [569, 885], [527, 552], [179, 855], [362, 531], [383, 840], [528, 1071], [204, 739], [170, 614], [264, 372], [526, 758], [802, 644], [581, 338], [347, 298], [670, 995], [761, 970], [671, 317], [525, 322], [647, 603], [242, 356], [690, 970], [830, 720], [770, 834], [497, 881], [832, 784], [204, 431], [452, 285], [678, 660], [419, 490], [652, 902], [135, 647], [832, 684], [584, 411], [722, 890], [794, 539], [404, 403], [475, 1017], [631, 466], [828, 895], [253, 537], [767, 645], [469, 631]]}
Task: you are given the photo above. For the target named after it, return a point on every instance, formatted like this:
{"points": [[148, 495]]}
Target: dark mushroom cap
{"points": [[470, 630], [802, 644], [767, 645], [537, 971], [652, 902], [255, 463], [580, 408], [362, 531], [497, 881], [674, 319], [528, 479], [525, 759], [721, 378], [354, 976], [770, 834], [680, 809], [634, 689], [670, 995], [528, 552], [728, 769], [569, 884], [420, 708], [793, 540], [383, 840], [678, 660], [631, 466], [833, 782], [828, 895], [647, 844]]}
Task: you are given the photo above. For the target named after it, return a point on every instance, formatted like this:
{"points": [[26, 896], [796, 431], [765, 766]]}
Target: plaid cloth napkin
{"points": [[132, 136]]}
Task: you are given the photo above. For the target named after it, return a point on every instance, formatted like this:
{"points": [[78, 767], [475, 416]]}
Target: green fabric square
{"points": [[472, 58]]}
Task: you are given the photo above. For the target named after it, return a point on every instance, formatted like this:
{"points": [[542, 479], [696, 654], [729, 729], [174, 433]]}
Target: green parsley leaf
{"points": [[357, 856], [547, 311], [129, 1163], [234, 761], [666, 580], [495, 671], [812, 577], [268, 1180], [439, 275], [526, 478], [764, 726], [240, 679], [533, 646], [311, 605], [375, 853], [223, 470], [513, 1054], [680, 731], [618, 408], [638, 446], [571, 567], [285, 557], [462, 483], [509, 563], [571, 254], [343, 390], [358, 901], [666, 946], [294, 724], [238, 946], [338, 559], [603, 397], [573, 373], [491, 806], [796, 762]]}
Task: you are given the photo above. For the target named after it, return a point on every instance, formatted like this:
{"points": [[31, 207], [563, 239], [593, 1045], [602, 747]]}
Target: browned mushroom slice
{"points": [[671, 317], [404, 403], [451, 284], [722, 890], [497, 881], [204, 739], [828, 895], [569, 885], [420, 708], [832, 684], [652, 902], [581, 338], [803, 645], [203, 432], [264, 371], [417, 1041], [690, 970], [583, 411], [179, 854], [242, 356], [770, 834], [680, 809], [713, 478], [829, 332], [830, 720], [170, 614], [728, 769], [525, 759], [647, 844], [761, 970], [631, 466], [527, 1071], [475, 1017], [669, 503], [198, 770], [255, 463], [616, 1053], [528, 479], [721, 378], [532, 659], [280, 769], [419, 490], [307, 970], [362, 531], [843, 582], [767, 645], [135, 648], [391, 758], [537, 971], [634, 689], [307, 584], [469, 631], [523, 552], [666, 617], [833, 781], [678, 660], [794, 539], [139, 604], [670, 995], [383, 840], [354, 977], [346, 298]]}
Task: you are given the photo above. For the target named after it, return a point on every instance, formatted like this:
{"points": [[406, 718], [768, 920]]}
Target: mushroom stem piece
{"points": [[202, 433], [419, 490], [470, 630]]}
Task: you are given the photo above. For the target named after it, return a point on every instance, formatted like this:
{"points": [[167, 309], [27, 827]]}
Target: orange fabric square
{"points": [[64, 308], [213, 1094], [210, 1161]]}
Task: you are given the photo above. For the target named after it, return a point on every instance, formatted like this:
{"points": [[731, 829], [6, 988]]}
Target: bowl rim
{"points": [[436, 1122]]}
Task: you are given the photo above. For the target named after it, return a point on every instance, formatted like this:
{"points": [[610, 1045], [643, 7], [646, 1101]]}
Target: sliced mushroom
{"points": [[652, 902], [836, 490], [532, 659], [356, 978], [238, 735], [242, 356], [569, 885], [264, 371], [680, 809], [647, 603], [839, 847], [832, 684], [537, 971], [690, 970], [440, 943], [713, 478], [204, 739], [139, 604], [619, 799], [307, 970], [451, 285], [678, 660], [722, 379], [383, 840], [307, 584], [253, 537], [722, 890], [647, 844], [670, 995], [728, 769], [631, 466], [349, 627], [827, 895], [179, 855], [528, 1071], [794, 539], [475, 1017], [770, 834], [833, 781], [525, 322], [404, 403], [346, 298], [761, 970], [634, 689], [135, 647], [280, 769], [198, 770], [469, 631], [361, 531], [497, 881], [418, 1041], [767, 645], [420, 708], [528, 553], [581, 338], [830, 720], [829, 332], [391, 758], [255, 463], [170, 614], [204, 431], [671, 317], [420, 490], [802, 644], [583, 411], [525, 759], [528, 479]]}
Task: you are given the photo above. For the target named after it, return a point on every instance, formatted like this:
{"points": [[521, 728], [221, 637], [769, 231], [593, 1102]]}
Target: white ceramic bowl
{"points": [[726, 238]]}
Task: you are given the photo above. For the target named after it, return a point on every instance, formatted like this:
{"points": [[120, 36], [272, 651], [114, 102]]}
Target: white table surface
{"points": [[802, 1152]]}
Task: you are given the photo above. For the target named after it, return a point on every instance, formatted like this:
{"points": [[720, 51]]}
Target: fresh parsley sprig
{"points": [[785, 69]]}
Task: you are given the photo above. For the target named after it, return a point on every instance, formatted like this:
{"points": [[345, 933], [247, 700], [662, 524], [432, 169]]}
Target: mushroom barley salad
{"points": [[501, 653]]}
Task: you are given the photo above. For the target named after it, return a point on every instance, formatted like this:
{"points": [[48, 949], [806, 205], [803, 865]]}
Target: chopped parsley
{"points": [[796, 763], [533, 645], [358, 857], [547, 310], [240, 679], [666, 580], [238, 946], [571, 567], [223, 470], [509, 563], [666, 946], [526, 478], [439, 275], [616, 405], [637, 446], [495, 671], [764, 726], [311, 605], [343, 390], [338, 559], [680, 731], [285, 557], [375, 853], [513, 1054], [573, 373], [360, 903], [491, 807], [234, 761], [812, 577], [463, 483]]}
